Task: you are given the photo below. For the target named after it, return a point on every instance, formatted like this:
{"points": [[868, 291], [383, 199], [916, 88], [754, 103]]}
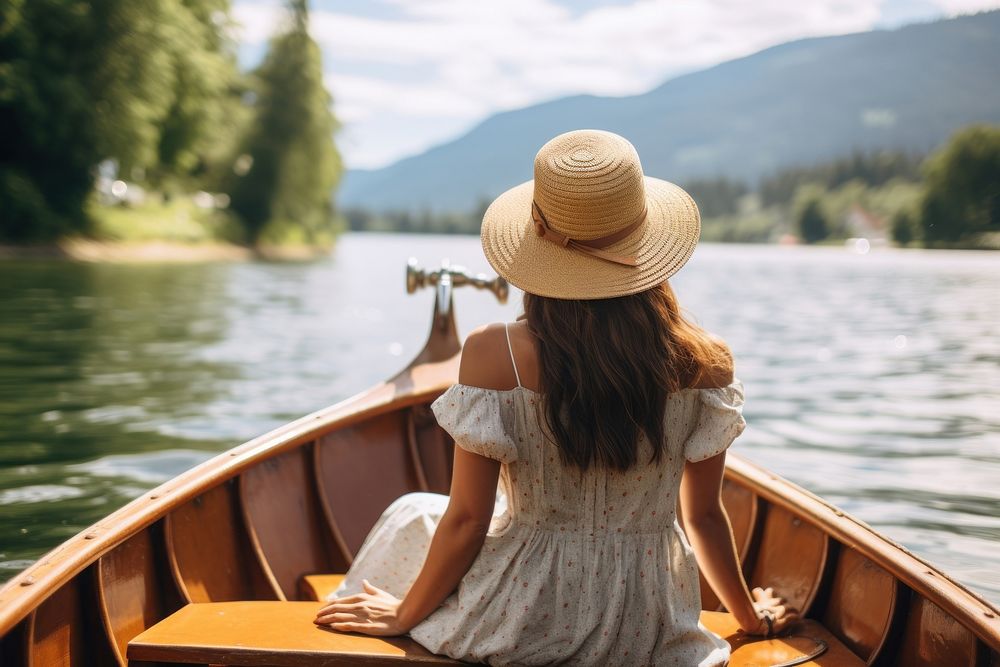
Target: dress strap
{"points": [[511, 350]]}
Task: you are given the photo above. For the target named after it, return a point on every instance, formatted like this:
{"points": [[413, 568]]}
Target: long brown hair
{"points": [[607, 366]]}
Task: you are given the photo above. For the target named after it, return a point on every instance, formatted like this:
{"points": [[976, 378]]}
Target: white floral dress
{"points": [[587, 568]]}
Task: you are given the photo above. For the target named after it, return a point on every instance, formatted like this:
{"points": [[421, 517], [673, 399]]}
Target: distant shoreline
{"points": [[89, 250], [168, 252]]}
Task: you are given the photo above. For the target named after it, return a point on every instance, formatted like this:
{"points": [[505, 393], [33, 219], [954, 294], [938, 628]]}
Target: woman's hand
{"points": [[773, 616], [374, 612]]}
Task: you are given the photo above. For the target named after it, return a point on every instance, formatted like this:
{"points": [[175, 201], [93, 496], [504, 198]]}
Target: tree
{"points": [[130, 71], [810, 217], [48, 139], [205, 102], [962, 195], [716, 197], [872, 169], [294, 164], [161, 73], [86, 80], [902, 229]]}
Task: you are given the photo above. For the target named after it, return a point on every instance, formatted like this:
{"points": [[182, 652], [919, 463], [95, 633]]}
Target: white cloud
{"points": [[954, 7], [361, 97], [448, 63]]}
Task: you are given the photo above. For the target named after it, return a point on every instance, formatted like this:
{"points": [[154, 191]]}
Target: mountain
{"points": [[794, 104]]}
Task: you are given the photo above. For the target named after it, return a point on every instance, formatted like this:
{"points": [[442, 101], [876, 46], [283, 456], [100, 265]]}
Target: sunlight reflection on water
{"points": [[871, 379]]}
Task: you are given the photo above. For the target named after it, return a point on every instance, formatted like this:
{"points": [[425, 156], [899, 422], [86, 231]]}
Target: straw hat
{"points": [[590, 225]]}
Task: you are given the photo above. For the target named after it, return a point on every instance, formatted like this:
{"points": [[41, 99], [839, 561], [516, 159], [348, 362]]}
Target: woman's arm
{"points": [[707, 526], [459, 536], [456, 544], [457, 539]]}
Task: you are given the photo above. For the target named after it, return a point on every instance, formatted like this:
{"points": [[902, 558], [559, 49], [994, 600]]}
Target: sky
{"points": [[406, 75]]}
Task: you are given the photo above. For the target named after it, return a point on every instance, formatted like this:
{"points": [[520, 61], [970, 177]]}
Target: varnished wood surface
{"points": [[268, 633], [282, 514], [750, 651], [210, 553], [433, 448], [282, 633], [57, 634], [933, 637], [792, 557], [862, 604], [134, 589], [14, 645], [318, 586], [357, 489]]}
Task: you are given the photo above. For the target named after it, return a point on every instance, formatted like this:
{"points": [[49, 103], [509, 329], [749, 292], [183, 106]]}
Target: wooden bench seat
{"points": [[756, 651], [279, 634], [318, 586], [265, 632]]}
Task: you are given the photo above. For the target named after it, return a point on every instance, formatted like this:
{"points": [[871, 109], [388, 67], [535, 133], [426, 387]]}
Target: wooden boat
{"points": [[221, 564]]}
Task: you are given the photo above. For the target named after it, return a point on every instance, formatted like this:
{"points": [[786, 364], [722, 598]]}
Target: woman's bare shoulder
{"points": [[486, 360]]}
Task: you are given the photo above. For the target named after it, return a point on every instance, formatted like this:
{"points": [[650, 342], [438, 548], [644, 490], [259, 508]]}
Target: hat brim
{"points": [[661, 245]]}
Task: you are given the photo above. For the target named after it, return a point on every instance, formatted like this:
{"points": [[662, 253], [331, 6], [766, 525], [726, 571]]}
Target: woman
{"points": [[597, 411]]}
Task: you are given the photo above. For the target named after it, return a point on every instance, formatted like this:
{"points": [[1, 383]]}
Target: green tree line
{"points": [[153, 87], [872, 169], [949, 199]]}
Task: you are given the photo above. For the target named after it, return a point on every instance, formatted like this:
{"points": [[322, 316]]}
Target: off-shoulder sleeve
{"points": [[720, 420], [471, 415]]}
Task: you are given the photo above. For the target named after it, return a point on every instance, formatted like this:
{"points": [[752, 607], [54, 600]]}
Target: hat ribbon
{"points": [[593, 247]]}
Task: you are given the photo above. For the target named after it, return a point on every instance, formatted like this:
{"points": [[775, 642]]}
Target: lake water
{"points": [[872, 380]]}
